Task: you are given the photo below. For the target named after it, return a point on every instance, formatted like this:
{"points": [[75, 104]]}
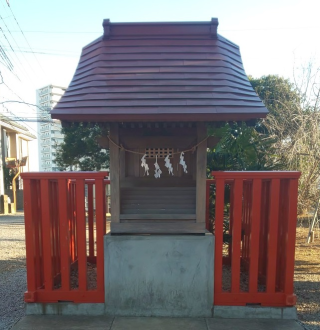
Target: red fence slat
{"points": [[46, 235], [291, 237], [236, 235], [64, 234], [254, 236], [90, 220], [36, 218], [29, 232], [81, 234], [273, 235]]}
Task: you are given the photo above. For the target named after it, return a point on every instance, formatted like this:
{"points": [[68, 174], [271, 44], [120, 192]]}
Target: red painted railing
{"points": [[64, 236], [254, 219]]}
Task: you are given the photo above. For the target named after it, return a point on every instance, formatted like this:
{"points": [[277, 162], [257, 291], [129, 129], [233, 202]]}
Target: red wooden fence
{"points": [[64, 236], [254, 216], [254, 222]]}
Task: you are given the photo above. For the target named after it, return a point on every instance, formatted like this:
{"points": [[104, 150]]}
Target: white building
{"points": [[14, 144], [49, 131]]}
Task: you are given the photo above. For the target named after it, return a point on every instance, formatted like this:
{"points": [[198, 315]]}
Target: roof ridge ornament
{"points": [[106, 29], [214, 27]]}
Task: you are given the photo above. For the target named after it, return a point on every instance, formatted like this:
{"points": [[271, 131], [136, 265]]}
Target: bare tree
{"points": [[294, 123]]}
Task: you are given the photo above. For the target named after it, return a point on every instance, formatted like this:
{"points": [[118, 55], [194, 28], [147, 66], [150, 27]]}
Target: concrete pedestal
{"points": [[159, 275]]}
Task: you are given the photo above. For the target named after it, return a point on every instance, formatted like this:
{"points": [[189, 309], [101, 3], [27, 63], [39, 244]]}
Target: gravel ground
{"points": [[13, 274], [12, 269]]}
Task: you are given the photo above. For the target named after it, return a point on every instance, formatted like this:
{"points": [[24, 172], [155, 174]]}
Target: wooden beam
{"points": [[201, 168], [115, 173], [181, 142]]}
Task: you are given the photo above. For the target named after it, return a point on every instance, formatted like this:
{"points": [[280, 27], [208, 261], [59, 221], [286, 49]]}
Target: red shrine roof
{"points": [[180, 71]]}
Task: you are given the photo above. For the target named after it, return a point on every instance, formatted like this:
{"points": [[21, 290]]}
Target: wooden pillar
{"points": [[122, 157], [115, 173], [201, 168]]}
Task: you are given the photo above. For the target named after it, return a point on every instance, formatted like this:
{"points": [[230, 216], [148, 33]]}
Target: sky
{"points": [[43, 39]]}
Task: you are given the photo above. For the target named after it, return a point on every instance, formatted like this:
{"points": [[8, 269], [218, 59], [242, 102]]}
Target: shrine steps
{"points": [[162, 203]]}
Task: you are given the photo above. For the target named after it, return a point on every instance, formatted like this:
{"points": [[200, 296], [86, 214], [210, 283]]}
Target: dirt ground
{"points": [[12, 274], [307, 278]]}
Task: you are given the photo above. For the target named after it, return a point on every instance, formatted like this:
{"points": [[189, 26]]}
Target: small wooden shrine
{"points": [[156, 86]]}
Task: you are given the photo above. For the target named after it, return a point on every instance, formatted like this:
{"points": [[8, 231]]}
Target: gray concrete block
{"points": [[159, 275], [33, 309], [64, 309], [289, 313], [51, 309], [81, 309], [239, 312]]}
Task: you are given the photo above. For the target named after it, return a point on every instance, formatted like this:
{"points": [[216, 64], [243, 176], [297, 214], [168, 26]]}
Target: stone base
{"points": [[165, 275], [249, 312], [65, 308], [219, 312]]}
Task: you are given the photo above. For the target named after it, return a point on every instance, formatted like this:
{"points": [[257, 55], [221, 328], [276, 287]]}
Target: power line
{"points": [[5, 64], [61, 32], [30, 120], [6, 58], [18, 96], [16, 45], [16, 118], [47, 53], [25, 37]]}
